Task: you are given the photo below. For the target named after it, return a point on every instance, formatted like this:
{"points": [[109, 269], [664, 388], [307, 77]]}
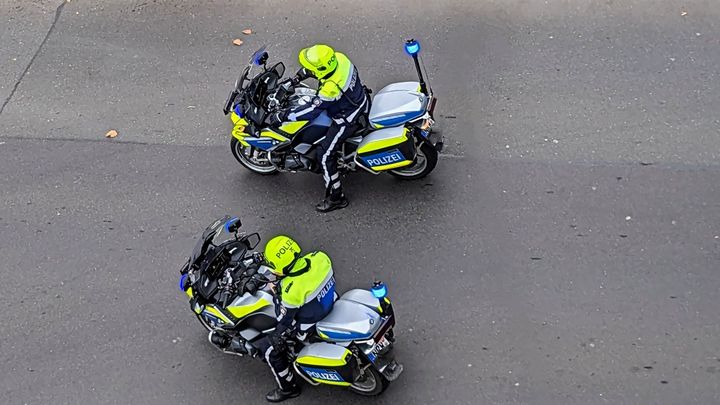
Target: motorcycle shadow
{"points": [[365, 191]]}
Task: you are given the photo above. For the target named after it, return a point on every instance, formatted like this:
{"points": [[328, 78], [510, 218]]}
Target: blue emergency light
{"points": [[412, 47], [379, 290], [230, 222], [182, 282]]}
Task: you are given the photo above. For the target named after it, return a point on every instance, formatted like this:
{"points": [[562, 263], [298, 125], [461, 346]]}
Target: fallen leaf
{"points": [[237, 41], [111, 133], [247, 31], [684, 13]]}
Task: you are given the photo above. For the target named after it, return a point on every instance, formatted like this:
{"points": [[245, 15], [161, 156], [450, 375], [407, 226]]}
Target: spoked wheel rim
{"points": [[367, 383], [415, 169], [257, 160]]}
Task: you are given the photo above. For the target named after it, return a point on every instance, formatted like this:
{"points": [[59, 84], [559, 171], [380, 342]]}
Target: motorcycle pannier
{"points": [[387, 149], [327, 364]]}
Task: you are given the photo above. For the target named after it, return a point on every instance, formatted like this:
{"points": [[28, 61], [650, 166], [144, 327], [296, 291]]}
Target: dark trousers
{"points": [[278, 362], [327, 156]]}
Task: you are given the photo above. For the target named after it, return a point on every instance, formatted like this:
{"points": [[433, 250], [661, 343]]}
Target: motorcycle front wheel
{"points": [[425, 162], [252, 158], [372, 383]]}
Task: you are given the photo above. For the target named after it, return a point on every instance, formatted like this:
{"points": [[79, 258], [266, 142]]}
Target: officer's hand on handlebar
{"points": [[252, 286]]}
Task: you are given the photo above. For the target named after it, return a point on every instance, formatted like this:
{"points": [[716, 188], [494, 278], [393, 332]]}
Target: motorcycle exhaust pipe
{"points": [[228, 345]]}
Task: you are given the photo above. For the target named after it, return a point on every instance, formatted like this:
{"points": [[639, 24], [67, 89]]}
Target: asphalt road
{"points": [[564, 251]]}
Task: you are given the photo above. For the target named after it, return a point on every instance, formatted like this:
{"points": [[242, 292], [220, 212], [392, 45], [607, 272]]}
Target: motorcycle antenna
{"points": [[422, 61]]}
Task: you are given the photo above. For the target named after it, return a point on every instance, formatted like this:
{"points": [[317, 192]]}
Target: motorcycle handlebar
{"points": [[225, 298], [251, 286]]}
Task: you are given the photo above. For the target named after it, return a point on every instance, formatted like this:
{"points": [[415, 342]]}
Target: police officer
{"points": [[304, 295], [343, 96]]}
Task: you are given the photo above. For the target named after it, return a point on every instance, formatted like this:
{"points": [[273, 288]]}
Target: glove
{"points": [[301, 75]]}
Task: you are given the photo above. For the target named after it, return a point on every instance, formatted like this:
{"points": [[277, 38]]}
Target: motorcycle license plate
{"points": [[380, 345], [431, 106]]}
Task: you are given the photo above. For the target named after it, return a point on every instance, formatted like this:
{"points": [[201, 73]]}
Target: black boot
{"points": [[279, 395], [331, 204]]}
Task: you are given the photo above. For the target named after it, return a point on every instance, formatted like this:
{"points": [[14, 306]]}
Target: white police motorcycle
{"points": [[396, 138]]}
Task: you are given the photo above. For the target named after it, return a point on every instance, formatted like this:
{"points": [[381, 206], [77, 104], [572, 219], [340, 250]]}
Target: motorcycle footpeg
{"points": [[393, 370]]}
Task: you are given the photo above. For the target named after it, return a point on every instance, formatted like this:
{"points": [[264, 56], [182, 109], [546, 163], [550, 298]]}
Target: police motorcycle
{"points": [[231, 293], [396, 136]]}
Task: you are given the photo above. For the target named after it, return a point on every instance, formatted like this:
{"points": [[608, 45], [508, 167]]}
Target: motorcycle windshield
{"points": [[214, 234], [256, 56]]}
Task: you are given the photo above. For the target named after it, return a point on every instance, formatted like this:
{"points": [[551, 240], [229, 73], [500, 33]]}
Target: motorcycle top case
{"points": [[387, 149], [327, 363]]}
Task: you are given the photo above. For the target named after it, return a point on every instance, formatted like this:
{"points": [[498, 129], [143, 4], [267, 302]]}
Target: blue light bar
{"points": [[230, 222], [182, 282], [412, 47], [238, 111], [257, 56], [379, 290]]}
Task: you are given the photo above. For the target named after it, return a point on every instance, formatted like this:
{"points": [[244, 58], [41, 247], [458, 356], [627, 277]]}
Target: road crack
{"points": [[58, 11]]}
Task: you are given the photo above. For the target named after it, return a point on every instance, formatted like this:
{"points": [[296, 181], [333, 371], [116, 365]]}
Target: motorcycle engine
{"points": [[292, 162]]}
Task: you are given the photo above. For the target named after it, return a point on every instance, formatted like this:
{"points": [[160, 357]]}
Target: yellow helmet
{"points": [[319, 59], [281, 252]]}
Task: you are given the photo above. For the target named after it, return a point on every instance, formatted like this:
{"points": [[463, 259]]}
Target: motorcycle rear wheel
{"points": [[373, 383], [250, 157], [425, 162]]}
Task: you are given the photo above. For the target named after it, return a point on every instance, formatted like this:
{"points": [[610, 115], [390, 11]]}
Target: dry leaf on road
{"points": [[247, 31], [111, 133], [237, 42]]}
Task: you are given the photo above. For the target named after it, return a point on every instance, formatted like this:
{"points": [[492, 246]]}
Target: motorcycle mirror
{"points": [[252, 240]]}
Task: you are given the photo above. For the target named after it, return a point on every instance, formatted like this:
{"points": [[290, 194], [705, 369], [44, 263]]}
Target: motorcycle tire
{"points": [[248, 162], [373, 384], [425, 162]]}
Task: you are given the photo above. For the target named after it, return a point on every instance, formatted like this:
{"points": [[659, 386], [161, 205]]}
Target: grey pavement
{"points": [[564, 251]]}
